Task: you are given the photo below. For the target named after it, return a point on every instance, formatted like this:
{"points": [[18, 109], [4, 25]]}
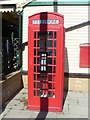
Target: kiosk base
{"points": [[50, 109]]}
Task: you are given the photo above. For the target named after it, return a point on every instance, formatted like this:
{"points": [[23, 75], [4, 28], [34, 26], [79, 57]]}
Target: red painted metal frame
{"points": [[84, 60], [53, 104]]}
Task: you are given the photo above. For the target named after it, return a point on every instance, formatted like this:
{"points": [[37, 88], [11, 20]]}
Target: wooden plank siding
{"points": [[73, 16]]}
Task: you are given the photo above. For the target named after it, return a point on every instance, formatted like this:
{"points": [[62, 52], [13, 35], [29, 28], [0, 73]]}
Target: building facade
{"points": [[76, 23]]}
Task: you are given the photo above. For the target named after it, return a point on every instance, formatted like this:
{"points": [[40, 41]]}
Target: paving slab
{"points": [[51, 115], [18, 96], [77, 94], [78, 110], [65, 110], [77, 101], [35, 114], [75, 106], [19, 114], [12, 103], [60, 115]]}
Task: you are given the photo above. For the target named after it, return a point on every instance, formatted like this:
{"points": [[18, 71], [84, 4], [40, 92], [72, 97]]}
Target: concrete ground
{"points": [[75, 106]]}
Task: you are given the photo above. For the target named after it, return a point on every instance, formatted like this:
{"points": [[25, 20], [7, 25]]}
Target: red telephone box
{"points": [[45, 62]]}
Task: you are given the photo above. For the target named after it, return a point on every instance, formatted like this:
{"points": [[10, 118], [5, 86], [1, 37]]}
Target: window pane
{"points": [[34, 68], [39, 93], [45, 34], [50, 35], [34, 43], [38, 84], [38, 68], [35, 52], [54, 61], [34, 60], [49, 85], [38, 77], [54, 35], [49, 93], [54, 52], [38, 43], [38, 60], [49, 61], [49, 43], [54, 69], [38, 51], [42, 43], [42, 34], [49, 52], [54, 43], [34, 92], [34, 34], [50, 78], [49, 69]]}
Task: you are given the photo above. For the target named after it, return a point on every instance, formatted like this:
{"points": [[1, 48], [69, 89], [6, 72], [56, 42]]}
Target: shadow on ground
{"points": [[42, 114]]}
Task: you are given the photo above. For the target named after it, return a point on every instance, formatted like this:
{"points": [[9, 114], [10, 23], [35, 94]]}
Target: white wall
{"points": [[73, 15]]}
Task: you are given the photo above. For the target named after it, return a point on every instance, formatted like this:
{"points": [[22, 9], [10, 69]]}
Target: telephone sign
{"points": [[45, 22]]}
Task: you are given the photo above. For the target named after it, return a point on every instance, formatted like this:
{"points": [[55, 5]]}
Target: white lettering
{"points": [[45, 22]]}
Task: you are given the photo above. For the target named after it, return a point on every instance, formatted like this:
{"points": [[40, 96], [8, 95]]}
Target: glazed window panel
{"points": [[38, 68], [49, 52], [54, 61], [34, 43], [49, 69], [54, 52], [39, 93], [44, 64], [50, 78], [34, 52], [49, 61], [54, 69], [38, 44], [47, 35], [55, 35], [50, 34], [54, 43], [34, 92], [38, 52], [34, 60], [38, 60], [50, 94], [49, 43], [49, 85], [34, 34], [34, 68]]}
